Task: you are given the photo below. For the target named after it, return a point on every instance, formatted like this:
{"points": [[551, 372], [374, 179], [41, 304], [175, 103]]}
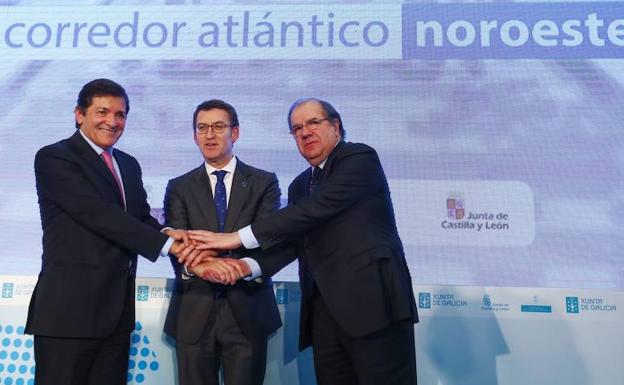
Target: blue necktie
{"points": [[220, 198]]}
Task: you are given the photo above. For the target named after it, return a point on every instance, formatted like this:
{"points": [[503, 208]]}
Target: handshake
{"points": [[201, 252]]}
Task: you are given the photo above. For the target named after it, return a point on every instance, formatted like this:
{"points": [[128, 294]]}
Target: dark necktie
{"points": [[314, 179], [220, 198], [308, 280]]}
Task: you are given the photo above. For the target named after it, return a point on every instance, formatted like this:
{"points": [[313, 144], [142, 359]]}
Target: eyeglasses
{"points": [[312, 124], [217, 128]]}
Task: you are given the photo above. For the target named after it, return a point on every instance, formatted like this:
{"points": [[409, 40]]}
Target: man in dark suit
{"points": [[218, 325], [95, 219], [357, 308]]}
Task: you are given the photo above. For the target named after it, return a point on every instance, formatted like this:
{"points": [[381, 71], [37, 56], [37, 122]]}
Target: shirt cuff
{"points": [[247, 237], [186, 274], [254, 267], [164, 252]]}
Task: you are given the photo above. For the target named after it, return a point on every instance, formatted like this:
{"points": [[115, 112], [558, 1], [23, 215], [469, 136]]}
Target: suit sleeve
{"points": [[176, 216], [355, 176], [273, 260], [144, 209], [63, 183], [176, 213]]}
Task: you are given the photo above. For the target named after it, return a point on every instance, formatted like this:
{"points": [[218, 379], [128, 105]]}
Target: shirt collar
{"points": [[99, 150], [230, 167], [322, 164]]}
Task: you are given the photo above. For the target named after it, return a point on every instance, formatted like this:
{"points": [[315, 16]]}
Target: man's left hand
{"points": [[210, 240]]}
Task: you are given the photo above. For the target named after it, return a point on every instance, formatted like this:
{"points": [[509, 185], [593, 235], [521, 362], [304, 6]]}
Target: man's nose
{"points": [[305, 131], [112, 121]]}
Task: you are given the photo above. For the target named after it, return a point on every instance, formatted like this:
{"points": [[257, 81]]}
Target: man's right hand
{"points": [[226, 271], [185, 252], [178, 235]]}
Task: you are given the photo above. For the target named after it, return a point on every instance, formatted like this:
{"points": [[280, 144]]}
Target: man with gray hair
{"points": [[357, 306]]}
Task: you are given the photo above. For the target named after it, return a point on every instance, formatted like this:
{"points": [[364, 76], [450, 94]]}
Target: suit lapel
{"points": [[91, 158], [241, 186], [329, 165], [299, 187], [202, 193], [127, 175]]}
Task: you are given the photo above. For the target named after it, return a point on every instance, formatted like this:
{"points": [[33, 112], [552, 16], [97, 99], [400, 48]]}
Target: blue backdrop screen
{"points": [[499, 125]]}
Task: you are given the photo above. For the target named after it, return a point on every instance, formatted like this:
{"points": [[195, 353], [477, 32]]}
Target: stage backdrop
{"points": [[499, 125]]}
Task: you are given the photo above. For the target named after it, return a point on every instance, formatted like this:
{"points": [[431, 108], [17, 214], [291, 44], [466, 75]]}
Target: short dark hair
{"points": [[330, 113], [99, 87], [216, 104]]}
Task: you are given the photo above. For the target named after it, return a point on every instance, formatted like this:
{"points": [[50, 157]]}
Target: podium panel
{"points": [[467, 335]]}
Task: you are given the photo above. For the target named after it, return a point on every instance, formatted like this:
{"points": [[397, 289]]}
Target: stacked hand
{"points": [[210, 240], [203, 260], [222, 270]]}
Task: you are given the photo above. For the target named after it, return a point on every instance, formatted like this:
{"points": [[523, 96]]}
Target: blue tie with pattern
{"points": [[220, 198]]}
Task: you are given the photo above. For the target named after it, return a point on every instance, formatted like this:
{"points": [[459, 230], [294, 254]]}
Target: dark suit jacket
{"points": [[347, 240], [89, 241], [189, 204]]}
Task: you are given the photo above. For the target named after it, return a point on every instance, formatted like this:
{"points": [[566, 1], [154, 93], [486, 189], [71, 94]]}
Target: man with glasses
{"points": [[221, 325], [357, 306]]}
